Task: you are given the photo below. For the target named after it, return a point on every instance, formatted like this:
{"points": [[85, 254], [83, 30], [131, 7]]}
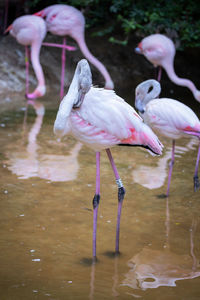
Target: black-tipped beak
{"points": [[139, 106], [80, 98]]}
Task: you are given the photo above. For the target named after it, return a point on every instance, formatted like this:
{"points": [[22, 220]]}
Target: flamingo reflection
{"points": [[29, 162], [159, 172], [154, 268]]}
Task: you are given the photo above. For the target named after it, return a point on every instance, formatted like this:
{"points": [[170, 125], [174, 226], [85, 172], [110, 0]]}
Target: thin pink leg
{"points": [[27, 55], [171, 167], [67, 47], [159, 73], [96, 203], [196, 178], [63, 69], [6, 15], [121, 193]]}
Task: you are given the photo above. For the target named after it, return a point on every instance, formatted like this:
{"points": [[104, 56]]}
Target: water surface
{"points": [[47, 187]]}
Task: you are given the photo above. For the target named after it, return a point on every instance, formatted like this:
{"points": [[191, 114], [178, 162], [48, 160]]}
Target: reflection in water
{"points": [[154, 268], [27, 163], [92, 281], [115, 278], [154, 177]]}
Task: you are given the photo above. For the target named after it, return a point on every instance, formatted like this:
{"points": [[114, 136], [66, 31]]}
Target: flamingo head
{"points": [[145, 92], [79, 87], [157, 48], [138, 49], [39, 92], [84, 80]]}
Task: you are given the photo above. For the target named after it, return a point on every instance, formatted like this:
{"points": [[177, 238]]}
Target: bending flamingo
{"points": [[100, 119], [66, 20], [169, 117], [160, 51], [31, 30]]}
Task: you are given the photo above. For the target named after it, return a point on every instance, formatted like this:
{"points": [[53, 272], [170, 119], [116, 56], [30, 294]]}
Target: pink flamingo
{"points": [[169, 117], [31, 30], [160, 51], [100, 119], [66, 20]]}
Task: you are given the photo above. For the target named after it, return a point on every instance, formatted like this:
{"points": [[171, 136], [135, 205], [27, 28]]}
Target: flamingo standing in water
{"points": [[100, 119], [160, 51], [31, 30], [66, 20], [169, 117]]}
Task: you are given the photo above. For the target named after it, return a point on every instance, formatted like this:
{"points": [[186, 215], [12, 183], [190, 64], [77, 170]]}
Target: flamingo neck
{"points": [[93, 60], [40, 89], [169, 68]]}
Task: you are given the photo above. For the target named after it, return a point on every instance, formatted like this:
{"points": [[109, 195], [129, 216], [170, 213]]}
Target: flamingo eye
{"points": [[150, 89], [53, 17]]}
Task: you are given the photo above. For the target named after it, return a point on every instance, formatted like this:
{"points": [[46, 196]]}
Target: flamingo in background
{"points": [[100, 119], [66, 20], [169, 117], [31, 30], [160, 51]]}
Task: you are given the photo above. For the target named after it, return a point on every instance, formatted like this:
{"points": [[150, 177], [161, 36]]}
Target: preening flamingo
{"points": [[30, 31], [100, 119], [169, 117], [160, 51], [66, 20]]}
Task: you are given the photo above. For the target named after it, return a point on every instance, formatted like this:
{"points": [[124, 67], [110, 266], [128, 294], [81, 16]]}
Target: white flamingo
{"points": [[100, 119], [169, 117]]}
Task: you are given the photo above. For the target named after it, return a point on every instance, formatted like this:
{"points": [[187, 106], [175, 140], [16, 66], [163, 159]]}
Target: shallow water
{"points": [[47, 187]]}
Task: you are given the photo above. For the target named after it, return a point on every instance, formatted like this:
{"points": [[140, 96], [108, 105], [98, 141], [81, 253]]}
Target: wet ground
{"points": [[46, 192]]}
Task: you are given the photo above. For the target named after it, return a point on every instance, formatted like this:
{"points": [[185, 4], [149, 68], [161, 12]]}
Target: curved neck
{"points": [[35, 52], [169, 68], [93, 60]]}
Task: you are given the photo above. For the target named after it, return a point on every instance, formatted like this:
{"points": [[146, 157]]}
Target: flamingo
{"points": [[31, 30], [100, 119], [66, 20], [169, 117], [160, 51]]}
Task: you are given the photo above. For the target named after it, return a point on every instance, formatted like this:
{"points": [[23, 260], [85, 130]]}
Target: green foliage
{"points": [[178, 19]]}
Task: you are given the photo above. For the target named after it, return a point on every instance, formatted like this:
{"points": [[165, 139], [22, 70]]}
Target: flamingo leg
{"points": [[63, 69], [121, 193], [96, 200], [27, 55], [196, 178], [171, 167], [159, 73]]}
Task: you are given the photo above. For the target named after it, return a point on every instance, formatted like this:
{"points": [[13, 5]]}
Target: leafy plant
{"points": [[179, 19]]}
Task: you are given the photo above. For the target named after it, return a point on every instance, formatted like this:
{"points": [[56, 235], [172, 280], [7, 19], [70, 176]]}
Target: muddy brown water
{"points": [[46, 193]]}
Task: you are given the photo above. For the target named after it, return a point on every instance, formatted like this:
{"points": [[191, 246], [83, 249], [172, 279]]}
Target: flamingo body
{"points": [[160, 51], [100, 119], [169, 117], [31, 30], [66, 20], [104, 120]]}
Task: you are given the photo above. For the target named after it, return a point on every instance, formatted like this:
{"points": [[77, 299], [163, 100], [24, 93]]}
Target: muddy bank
{"points": [[126, 68]]}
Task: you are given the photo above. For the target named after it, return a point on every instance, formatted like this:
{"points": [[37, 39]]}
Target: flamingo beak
{"points": [[138, 49], [8, 29], [39, 13], [139, 106], [80, 98]]}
